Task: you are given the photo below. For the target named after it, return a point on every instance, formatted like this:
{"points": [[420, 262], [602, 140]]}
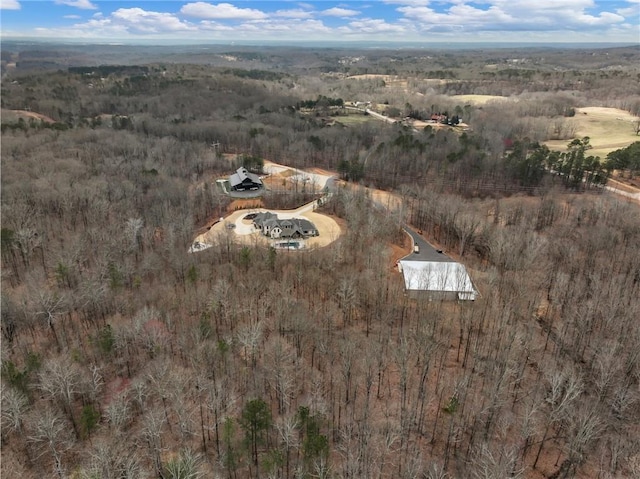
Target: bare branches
{"points": [[51, 434]]}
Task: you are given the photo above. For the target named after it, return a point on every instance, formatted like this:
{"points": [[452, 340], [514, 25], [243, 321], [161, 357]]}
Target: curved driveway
{"points": [[427, 252]]}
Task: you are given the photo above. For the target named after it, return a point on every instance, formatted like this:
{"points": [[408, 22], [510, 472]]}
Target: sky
{"points": [[428, 21]]}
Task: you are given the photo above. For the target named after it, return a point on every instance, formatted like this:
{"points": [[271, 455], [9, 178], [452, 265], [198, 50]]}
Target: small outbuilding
{"points": [[437, 280]]}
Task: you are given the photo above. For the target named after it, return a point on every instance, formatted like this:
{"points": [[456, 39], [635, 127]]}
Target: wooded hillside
{"points": [[126, 356]]}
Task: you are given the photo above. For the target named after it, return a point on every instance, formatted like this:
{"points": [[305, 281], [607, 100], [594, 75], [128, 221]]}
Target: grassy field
{"points": [[608, 128], [477, 99], [354, 119]]}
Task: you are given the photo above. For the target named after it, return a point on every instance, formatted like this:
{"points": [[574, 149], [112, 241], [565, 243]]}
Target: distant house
{"points": [[365, 104], [271, 226], [242, 180], [437, 280]]}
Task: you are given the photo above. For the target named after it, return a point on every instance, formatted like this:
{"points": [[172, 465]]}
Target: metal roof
{"points": [[437, 276], [242, 174]]}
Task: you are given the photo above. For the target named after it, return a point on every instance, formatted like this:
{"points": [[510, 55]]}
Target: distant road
{"points": [[379, 116], [372, 113]]}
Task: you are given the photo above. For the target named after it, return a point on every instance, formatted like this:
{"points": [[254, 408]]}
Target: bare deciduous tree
{"points": [[61, 379], [50, 433]]}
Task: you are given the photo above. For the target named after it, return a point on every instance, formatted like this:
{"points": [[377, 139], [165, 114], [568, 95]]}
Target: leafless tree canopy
{"points": [[124, 355]]}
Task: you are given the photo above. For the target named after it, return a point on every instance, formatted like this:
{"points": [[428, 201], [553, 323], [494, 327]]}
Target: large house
{"points": [[242, 180], [269, 224]]}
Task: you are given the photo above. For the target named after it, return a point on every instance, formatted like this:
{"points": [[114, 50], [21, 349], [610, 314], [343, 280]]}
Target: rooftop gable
{"points": [[241, 175]]}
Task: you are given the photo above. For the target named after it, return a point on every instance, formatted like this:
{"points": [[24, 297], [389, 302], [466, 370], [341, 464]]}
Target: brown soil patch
{"points": [[285, 174], [320, 171], [276, 182], [245, 204], [398, 252], [114, 388]]}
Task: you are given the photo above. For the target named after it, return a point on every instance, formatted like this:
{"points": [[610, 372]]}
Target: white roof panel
{"points": [[437, 276]]}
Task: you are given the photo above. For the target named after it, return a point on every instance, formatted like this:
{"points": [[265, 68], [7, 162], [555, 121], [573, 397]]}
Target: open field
{"points": [[608, 128], [354, 119], [478, 99]]}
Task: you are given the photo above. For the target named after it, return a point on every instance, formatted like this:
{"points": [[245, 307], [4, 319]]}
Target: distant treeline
{"points": [[321, 101], [106, 70], [255, 74]]}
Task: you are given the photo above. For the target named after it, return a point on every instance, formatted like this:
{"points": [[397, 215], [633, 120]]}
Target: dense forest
{"points": [[126, 356]]}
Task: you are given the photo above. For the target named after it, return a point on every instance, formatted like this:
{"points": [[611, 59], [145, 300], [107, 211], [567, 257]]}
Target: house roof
{"points": [[305, 225], [261, 218], [289, 227], [437, 277], [241, 175]]}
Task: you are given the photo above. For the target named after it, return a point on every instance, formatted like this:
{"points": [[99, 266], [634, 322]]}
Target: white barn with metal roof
{"points": [[440, 280]]}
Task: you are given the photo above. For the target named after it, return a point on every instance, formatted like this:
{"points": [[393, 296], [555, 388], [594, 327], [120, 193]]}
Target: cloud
{"points": [[275, 29], [73, 17], [406, 20], [293, 13], [221, 11], [373, 26], [139, 20], [83, 4], [339, 12], [411, 3], [509, 16], [632, 11], [124, 22], [9, 5]]}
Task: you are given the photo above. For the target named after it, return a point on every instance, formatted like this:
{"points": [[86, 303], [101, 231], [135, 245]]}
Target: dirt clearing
{"points": [[243, 232]]}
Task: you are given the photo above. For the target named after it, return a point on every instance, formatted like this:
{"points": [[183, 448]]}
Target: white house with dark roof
{"points": [[243, 180]]}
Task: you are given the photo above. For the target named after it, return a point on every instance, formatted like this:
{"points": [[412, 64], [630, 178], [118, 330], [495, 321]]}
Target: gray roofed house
{"points": [[269, 224], [243, 180]]}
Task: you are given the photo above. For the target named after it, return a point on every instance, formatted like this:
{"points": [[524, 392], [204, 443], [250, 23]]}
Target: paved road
{"points": [[427, 252]]}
